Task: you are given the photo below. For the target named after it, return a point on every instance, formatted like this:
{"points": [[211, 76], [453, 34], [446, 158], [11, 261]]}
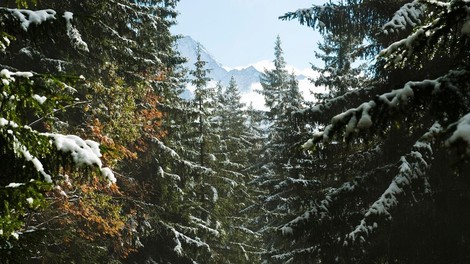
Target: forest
{"points": [[109, 164]]}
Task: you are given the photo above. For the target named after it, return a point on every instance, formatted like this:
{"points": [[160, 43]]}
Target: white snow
{"points": [[68, 15], [403, 43], [215, 194], [394, 97], [30, 200], [4, 43], [21, 149], [308, 145], [161, 172], [4, 122], [29, 17], [16, 235], [73, 34], [108, 173], [14, 185], [391, 99], [287, 230], [366, 120], [40, 99], [351, 126], [407, 16], [188, 240], [199, 222], [462, 132], [411, 167], [83, 152], [7, 76]]}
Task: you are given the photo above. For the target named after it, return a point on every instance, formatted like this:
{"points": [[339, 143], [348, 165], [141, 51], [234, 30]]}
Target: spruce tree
{"points": [[41, 165], [388, 166]]}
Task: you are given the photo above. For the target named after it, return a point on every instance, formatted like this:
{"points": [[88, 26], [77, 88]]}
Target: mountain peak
{"points": [[187, 46]]}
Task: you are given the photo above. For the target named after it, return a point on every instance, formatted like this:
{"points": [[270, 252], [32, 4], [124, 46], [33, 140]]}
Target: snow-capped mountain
{"points": [[244, 77], [247, 78]]}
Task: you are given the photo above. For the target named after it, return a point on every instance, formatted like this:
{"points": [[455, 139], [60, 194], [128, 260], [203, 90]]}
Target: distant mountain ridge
{"points": [[245, 77]]}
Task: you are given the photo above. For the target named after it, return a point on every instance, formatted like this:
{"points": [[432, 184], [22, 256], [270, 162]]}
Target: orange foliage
{"points": [[95, 216], [151, 121], [152, 116], [114, 151]]}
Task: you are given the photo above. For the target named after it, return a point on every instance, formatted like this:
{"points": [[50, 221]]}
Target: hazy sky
{"points": [[242, 32]]}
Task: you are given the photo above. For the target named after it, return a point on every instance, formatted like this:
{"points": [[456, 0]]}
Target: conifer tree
{"points": [[386, 166], [40, 163], [119, 58], [285, 164]]}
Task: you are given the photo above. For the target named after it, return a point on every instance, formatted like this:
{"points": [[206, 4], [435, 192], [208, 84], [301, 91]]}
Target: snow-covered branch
{"points": [[428, 35], [357, 119], [180, 237], [83, 152], [411, 167], [408, 15], [30, 17], [461, 132]]}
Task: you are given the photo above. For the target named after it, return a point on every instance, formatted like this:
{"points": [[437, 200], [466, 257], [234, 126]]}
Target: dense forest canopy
{"points": [[104, 162]]}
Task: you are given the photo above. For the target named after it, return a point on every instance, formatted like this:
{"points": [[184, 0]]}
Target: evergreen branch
{"points": [[57, 110]]}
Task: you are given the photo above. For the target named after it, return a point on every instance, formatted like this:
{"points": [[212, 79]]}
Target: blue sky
{"points": [[242, 32]]}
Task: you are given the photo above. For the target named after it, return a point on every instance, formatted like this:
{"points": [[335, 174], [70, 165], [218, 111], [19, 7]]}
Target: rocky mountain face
{"points": [[244, 77], [247, 78]]}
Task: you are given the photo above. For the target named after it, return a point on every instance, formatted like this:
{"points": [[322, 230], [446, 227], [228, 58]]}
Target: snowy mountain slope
{"points": [[244, 77], [188, 49], [247, 78]]}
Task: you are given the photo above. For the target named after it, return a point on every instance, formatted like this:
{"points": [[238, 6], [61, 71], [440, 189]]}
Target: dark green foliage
{"points": [[385, 167]]}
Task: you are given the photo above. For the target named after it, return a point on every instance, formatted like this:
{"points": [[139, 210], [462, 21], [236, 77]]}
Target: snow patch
{"points": [[7, 76], [40, 99], [83, 152], [408, 15], [14, 185], [30, 200], [73, 34], [462, 132], [29, 17]]}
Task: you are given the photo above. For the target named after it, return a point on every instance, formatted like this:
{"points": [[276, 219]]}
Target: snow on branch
{"points": [[288, 257], [83, 152], [22, 150], [356, 119], [73, 34], [29, 17], [411, 167], [408, 15], [461, 132], [165, 149], [304, 15], [180, 161], [319, 113], [7, 76], [180, 237], [429, 35], [202, 224], [319, 209]]}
